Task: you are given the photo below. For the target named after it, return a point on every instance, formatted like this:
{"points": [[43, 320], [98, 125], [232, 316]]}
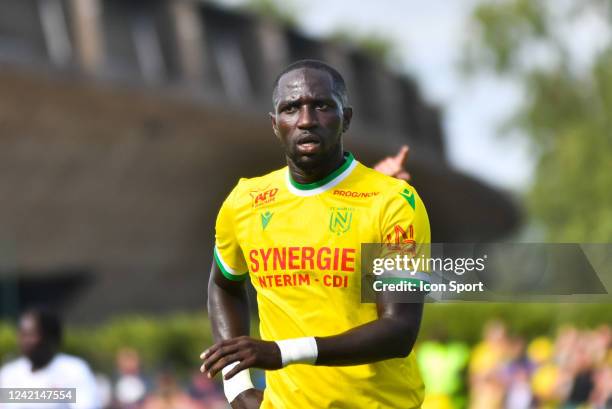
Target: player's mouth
{"points": [[308, 144]]}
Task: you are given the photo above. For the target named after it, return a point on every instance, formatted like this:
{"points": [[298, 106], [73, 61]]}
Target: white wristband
{"points": [[298, 350], [238, 384]]}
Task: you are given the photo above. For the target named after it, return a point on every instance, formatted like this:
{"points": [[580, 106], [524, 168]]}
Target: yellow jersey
{"points": [[300, 246]]}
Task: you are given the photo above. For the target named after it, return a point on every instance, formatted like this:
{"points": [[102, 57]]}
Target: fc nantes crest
{"points": [[340, 220]]}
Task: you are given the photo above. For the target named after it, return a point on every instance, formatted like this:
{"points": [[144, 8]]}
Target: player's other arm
{"points": [[229, 315], [228, 310], [392, 335], [228, 307]]}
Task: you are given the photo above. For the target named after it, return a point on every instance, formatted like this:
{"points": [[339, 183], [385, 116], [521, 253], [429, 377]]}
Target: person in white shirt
{"points": [[42, 366]]}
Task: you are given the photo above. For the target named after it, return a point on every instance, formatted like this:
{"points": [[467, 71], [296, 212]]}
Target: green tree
{"points": [[568, 110], [283, 13], [375, 45]]}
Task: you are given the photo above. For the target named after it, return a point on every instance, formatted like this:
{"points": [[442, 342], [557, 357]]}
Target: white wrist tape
{"points": [[238, 384], [298, 350]]}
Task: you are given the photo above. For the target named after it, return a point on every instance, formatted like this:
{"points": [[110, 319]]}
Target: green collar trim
{"points": [[348, 160]]}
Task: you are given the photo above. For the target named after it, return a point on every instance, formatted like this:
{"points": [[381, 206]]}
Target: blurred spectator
{"points": [[486, 364], [601, 396], [442, 366], [202, 389], [130, 387], [516, 376], [489, 354], [169, 395], [105, 390], [519, 394], [42, 366], [545, 382]]}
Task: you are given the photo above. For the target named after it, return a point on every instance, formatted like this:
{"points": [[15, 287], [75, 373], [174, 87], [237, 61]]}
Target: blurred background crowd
{"points": [[118, 119], [495, 361], [569, 369], [572, 369]]}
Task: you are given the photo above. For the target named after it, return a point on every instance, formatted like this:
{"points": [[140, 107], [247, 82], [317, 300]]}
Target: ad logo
{"points": [[265, 196], [350, 193]]}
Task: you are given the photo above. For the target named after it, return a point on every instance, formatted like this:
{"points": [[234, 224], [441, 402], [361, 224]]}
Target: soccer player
{"points": [[296, 234]]}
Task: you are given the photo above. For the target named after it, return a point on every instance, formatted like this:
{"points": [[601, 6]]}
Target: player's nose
{"points": [[307, 118]]}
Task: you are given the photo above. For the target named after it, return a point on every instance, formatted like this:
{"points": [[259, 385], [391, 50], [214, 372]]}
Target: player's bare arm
{"points": [[392, 335], [228, 310], [228, 306]]}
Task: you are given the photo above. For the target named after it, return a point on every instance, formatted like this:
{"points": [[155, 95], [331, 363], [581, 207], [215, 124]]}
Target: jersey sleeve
{"points": [[227, 253], [405, 230]]}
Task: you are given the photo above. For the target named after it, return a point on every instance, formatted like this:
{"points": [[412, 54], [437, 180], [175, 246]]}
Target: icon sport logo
{"points": [[340, 220]]}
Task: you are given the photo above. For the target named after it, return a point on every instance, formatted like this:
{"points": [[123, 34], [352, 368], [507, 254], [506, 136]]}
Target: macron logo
{"points": [[265, 219]]}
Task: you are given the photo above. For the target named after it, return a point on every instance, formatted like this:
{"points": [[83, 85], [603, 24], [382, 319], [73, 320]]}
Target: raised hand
{"points": [[395, 165]]}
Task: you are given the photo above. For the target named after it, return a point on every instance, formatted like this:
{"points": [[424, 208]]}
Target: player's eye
{"points": [[290, 109], [322, 106]]}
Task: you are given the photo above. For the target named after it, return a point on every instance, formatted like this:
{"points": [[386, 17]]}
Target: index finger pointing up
{"points": [[402, 155]]}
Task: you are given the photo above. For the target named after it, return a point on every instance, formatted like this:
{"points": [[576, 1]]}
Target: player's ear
{"points": [[274, 127], [347, 115]]}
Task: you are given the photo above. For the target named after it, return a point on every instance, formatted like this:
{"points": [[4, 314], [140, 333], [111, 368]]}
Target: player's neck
{"points": [[306, 176]]}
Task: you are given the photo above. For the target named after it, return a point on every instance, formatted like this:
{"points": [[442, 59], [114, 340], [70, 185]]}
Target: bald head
{"points": [[338, 84]]}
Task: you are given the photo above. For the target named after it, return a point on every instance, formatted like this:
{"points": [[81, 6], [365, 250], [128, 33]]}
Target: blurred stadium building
{"points": [[125, 123]]}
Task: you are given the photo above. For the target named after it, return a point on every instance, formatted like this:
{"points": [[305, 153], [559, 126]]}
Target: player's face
{"points": [[309, 118], [30, 338], [32, 342]]}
